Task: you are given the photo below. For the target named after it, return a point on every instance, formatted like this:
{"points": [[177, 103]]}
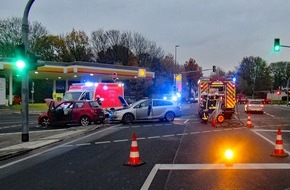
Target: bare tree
{"points": [[124, 48], [10, 35]]}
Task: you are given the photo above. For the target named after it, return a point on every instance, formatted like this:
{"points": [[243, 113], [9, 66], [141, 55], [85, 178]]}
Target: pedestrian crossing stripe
{"points": [[235, 166]]}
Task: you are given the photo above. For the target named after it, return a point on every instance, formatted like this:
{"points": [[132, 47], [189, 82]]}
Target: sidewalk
{"points": [[11, 143]]}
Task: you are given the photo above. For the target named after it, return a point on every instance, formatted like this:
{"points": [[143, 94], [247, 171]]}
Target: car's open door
{"points": [[51, 111]]}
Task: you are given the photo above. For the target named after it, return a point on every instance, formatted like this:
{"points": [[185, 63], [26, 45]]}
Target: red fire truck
{"points": [[209, 91]]}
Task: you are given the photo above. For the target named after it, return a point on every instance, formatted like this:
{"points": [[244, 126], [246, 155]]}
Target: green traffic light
{"points": [[277, 48], [20, 57], [276, 44], [20, 64]]}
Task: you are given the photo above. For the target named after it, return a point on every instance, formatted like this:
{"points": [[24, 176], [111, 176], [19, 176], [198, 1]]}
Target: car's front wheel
{"points": [[44, 121], [169, 116], [85, 121], [128, 118]]}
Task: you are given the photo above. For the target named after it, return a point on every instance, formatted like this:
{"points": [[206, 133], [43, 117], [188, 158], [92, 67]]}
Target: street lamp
{"points": [[175, 58]]}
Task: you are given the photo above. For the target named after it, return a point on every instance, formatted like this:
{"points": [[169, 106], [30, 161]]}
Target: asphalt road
{"points": [[185, 154]]}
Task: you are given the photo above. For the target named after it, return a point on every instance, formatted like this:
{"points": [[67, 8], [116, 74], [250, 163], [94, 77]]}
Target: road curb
{"points": [[22, 148]]}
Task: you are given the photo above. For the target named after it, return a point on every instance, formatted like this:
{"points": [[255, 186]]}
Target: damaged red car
{"points": [[78, 112]]}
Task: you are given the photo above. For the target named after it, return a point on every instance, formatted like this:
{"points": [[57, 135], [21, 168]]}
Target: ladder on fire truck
{"points": [[217, 115]]}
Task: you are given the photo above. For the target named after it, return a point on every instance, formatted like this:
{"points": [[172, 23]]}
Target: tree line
{"points": [[133, 49]]}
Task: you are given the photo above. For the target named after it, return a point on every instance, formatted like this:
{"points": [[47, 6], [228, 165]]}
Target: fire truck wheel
{"points": [[220, 118]]}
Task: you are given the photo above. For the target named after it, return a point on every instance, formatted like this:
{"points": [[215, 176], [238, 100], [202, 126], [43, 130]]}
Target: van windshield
{"points": [[71, 96]]}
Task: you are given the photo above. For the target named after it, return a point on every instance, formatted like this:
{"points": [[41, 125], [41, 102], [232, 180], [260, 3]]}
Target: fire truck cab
{"points": [[210, 91]]}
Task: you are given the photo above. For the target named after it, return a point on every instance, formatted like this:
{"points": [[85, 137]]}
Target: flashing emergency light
{"points": [[229, 154], [234, 79], [164, 98], [178, 94], [174, 98], [105, 87], [89, 84]]}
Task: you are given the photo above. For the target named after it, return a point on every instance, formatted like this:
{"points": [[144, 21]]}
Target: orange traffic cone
{"points": [[279, 151], [134, 159], [249, 122]]}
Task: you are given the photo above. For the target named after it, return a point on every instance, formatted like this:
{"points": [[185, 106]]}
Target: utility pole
{"points": [[25, 78]]}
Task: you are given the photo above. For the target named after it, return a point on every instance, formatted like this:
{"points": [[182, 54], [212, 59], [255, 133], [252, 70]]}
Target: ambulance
{"points": [[110, 94]]}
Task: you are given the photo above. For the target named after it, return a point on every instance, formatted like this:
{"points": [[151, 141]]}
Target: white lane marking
{"points": [[235, 166], [182, 134], [186, 121], [269, 114], [268, 140], [83, 144], [162, 136], [150, 177], [167, 135], [249, 166], [103, 142], [281, 125], [228, 129], [122, 140], [68, 145], [153, 137], [271, 130]]}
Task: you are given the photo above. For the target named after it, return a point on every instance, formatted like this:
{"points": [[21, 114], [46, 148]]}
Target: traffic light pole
{"points": [[277, 40], [25, 78]]}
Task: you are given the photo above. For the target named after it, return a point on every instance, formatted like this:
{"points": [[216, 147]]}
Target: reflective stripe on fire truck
{"points": [[217, 84], [203, 87], [230, 95]]}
